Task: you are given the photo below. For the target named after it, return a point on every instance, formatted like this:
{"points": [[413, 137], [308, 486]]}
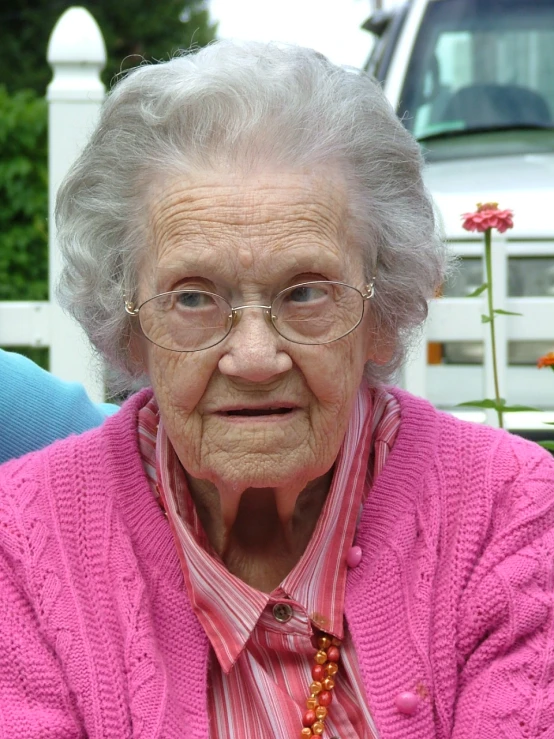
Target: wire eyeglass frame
{"points": [[235, 312]]}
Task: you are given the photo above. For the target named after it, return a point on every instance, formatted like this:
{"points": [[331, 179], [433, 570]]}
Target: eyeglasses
{"points": [[317, 312]]}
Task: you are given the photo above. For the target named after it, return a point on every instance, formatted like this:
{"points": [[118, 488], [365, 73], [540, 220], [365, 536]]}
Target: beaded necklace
{"points": [[323, 673]]}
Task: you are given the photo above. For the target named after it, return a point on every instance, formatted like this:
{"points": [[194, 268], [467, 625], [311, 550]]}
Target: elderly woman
{"points": [[269, 541]]}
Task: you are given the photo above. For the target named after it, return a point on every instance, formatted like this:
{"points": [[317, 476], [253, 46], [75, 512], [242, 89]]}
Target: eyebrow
{"points": [[211, 266]]}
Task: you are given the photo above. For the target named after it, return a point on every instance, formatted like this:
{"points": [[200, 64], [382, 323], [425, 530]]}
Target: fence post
{"points": [[77, 55]]}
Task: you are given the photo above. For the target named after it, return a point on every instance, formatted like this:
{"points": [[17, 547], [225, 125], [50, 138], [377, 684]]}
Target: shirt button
{"points": [[282, 612], [407, 703], [354, 556]]}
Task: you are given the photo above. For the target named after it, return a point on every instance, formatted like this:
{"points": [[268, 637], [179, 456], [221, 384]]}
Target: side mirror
{"points": [[378, 22]]}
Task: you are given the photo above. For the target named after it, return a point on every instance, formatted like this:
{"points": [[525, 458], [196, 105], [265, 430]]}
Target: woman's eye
{"points": [[306, 294], [193, 299]]}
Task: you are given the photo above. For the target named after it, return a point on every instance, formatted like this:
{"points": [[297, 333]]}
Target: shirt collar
{"points": [[228, 608]]}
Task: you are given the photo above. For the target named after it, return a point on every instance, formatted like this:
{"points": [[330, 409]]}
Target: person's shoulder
{"points": [[451, 428], [452, 441], [35, 490], [37, 408], [506, 450], [118, 431], [36, 466], [43, 487]]}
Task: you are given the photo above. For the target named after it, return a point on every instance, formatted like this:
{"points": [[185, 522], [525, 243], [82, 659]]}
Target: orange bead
{"points": [[311, 703], [308, 718], [325, 698], [333, 654], [318, 728], [316, 687], [324, 642], [321, 657], [335, 642], [306, 733], [328, 683], [331, 668], [321, 712]]}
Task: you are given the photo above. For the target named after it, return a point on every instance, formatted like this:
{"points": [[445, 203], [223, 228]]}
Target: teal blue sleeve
{"points": [[37, 408]]}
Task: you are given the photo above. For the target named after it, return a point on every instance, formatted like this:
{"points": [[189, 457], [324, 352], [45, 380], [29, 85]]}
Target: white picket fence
{"points": [[459, 319], [77, 55]]}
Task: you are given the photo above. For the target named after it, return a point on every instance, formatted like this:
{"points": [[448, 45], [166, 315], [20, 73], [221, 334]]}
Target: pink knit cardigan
{"points": [[453, 600]]}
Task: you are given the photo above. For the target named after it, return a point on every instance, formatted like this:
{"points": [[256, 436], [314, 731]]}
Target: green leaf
{"points": [[478, 290], [486, 403], [499, 405], [501, 312], [547, 445], [485, 319], [520, 409]]}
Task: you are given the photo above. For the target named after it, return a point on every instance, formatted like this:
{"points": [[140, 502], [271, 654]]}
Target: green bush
{"points": [[39, 354], [23, 196], [132, 30]]}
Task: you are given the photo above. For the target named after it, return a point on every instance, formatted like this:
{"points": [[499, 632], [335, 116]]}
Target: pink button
{"points": [[354, 556], [407, 703]]}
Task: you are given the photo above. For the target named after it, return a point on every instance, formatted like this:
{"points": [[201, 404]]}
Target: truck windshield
{"points": [[481, 65]]}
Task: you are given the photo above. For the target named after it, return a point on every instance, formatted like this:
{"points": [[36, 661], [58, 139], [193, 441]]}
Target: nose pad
{"points": [[253, 353], [237, 314]]}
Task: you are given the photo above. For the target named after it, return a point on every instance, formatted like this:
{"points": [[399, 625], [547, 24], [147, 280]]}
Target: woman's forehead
{"points": [[262, 200], [284, 219]]}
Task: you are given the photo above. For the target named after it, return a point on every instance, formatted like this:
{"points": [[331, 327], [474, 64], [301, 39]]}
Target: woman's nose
{"points": [[253, 350]]}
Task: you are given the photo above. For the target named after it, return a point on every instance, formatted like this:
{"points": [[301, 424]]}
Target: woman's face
{"points": [[246, 239]]}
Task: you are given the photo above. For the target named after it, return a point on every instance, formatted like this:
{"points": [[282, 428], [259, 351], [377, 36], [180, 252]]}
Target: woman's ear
{"points": [[138, 351], [380, 346], [380, 351]]}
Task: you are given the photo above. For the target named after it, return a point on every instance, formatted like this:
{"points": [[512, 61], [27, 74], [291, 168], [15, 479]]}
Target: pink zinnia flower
{"points": [[488, 216]]}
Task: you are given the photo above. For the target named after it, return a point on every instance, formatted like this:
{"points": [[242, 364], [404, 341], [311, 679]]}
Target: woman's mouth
{"points": [[258, 412]]}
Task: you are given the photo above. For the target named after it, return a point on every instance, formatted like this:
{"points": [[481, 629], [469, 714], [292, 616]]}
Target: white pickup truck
{"points": [[473, 80]]}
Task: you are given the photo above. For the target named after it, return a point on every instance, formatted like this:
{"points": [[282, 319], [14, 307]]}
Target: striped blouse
{"points": [[262, 643]]}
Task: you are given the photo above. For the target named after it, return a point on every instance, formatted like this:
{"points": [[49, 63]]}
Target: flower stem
{"points": [[488, 266]]}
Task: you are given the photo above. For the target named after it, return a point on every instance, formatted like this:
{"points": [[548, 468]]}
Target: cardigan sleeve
{"points": [[35, 703], [506, 624], [37, 408]]}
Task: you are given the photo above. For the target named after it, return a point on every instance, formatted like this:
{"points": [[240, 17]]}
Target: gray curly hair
{"points": [[240, 105]]}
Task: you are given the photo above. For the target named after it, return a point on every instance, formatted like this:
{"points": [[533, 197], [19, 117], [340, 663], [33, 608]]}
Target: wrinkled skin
{"points": [[258, 483]]}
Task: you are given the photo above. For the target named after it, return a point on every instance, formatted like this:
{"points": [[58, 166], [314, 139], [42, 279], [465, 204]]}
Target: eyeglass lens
{"points": [[309, 313]]}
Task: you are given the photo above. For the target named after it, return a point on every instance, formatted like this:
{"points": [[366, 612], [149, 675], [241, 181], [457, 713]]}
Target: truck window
{"points": [[481, 65]]}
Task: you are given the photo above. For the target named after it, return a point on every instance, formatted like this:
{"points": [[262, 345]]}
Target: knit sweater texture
{"points": [[453, 599]]}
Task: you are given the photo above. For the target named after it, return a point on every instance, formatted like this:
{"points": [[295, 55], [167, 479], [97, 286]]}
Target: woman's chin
{"points": [[284, 469]]}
